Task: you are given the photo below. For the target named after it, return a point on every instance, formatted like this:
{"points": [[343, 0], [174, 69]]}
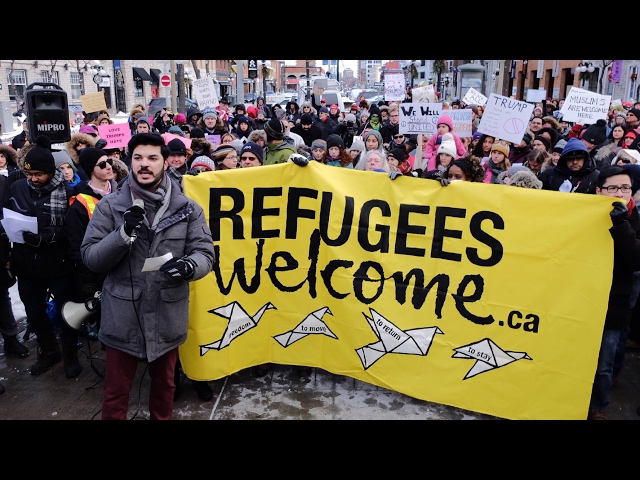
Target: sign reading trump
{"points": [[427, 290]]}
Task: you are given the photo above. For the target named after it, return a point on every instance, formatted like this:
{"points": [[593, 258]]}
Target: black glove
{"points": [[299, 160], [38, 239], [101, 143], [619, 213], [178, 267], [193, 172], [444, 181], [133, 218], [394, 174]]}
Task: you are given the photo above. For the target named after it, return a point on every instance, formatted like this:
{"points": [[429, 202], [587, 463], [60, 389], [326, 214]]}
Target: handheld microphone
{"points": [[138, 202]]}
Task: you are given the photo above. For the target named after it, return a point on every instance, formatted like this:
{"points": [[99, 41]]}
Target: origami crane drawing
{"points": [[416, 341], [239, 322], [311, 325], [488, 356]]}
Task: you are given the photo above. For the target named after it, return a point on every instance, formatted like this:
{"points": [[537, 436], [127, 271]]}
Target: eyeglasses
{"points": [[625, 160], [394, 116], [249, 158], [231, 157], [614, 188], [103, 164], [398, 136]]}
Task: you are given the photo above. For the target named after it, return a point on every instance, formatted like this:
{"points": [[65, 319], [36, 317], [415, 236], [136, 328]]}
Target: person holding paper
{"points": [[41, 263], [145, 315]]}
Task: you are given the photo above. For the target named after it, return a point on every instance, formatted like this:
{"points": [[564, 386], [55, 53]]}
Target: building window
{"points": [[46, 77], [139, 88], [20, 82], [76, 90]]}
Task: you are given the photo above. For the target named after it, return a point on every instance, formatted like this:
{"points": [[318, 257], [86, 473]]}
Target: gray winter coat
{"points": [[161, 301]]}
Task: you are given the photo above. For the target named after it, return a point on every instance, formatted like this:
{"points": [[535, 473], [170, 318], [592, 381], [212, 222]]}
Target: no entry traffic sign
{"points": [[165, 80]]}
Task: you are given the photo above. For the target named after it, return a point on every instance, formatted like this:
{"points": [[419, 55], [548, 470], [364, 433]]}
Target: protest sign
{"points": [[585, 107], [534, 95], [505, 118], [462, 124], [424, 94], [419, 117], [205, 93], [93, 102], [404, 284], [474, 97], [394, 90], [170, 136], [117, 134]]}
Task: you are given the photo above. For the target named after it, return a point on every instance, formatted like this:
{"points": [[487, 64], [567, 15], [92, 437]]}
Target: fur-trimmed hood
{"points": [[10, 154], [120, 169], [76, 139], [606, 151], [22, 154]]}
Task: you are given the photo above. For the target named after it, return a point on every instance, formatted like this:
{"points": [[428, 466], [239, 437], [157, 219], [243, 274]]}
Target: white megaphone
{"points": [[75, 314]]}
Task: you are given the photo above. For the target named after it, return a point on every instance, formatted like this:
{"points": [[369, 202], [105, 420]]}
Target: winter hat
{"points": [[631, 134], [324, 110], [88, 129], [334, 140], [596, 134], [140, 118], [525, 179], [243, 119], [179, 119], [204, 161], [197, 133], [254, 148], [631, 154], [558, 147], [306, 119], [374, 110], [89, 157], [634, 111], [61, 157], [40, 157], [253, 112], [448, 145], [319, 143], [399, 154], [261, 112], [547, 144], [357, 145], [501, 147], [446, 120], [274, 129], [350, 117], [518, 167], [177, 147], [353, 107], [209, 112], [176, 130], [221, 152], [575, 131], [477, 135], [574, 149]]}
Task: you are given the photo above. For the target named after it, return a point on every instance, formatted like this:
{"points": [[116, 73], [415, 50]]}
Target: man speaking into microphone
{"points": [[145, 314]]}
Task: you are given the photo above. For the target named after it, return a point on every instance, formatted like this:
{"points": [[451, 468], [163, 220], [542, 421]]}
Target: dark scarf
{"points": [[58, 198], [155, 203]]}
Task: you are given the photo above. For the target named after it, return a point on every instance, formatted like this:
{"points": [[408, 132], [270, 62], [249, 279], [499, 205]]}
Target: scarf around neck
{"points": [[58, 198]]}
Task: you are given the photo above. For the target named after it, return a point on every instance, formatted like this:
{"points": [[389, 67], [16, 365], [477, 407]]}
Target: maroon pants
{"points": [[118, 377]]}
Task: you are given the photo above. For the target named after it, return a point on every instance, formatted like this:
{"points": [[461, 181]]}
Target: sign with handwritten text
{"points": [[394, 87], [170, 136], [419, 117], [205, 93], [461, 121], [117, 134], [585, 107], [474, 97], [505, 118]]}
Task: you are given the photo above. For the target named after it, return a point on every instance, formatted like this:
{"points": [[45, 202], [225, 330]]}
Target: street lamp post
{"points": [[583, 68]]}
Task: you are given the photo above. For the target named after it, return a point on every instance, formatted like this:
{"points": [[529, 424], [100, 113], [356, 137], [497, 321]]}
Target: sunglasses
{"points": [[398, 136], [248, 158], [103, 164]]}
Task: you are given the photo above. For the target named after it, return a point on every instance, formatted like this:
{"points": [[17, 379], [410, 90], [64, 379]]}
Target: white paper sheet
{"points": [[151, 264], [15, 224]]}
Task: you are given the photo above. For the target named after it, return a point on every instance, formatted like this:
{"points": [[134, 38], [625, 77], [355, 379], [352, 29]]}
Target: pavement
{"points": [[280, 395]]}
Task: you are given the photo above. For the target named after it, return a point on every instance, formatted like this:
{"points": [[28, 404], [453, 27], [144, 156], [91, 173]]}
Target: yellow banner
{"points": [[484, 297]]}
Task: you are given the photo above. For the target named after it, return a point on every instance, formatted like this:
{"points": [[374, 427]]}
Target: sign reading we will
{"points": [[419, 117], [505, 118]]}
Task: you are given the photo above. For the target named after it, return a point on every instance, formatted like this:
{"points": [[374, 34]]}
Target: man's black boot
{"points": [[13, 346], [72, 366], [48, 355], [202, 389]]}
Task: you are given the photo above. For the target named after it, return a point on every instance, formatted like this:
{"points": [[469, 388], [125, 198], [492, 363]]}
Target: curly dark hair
{"points": [[471, 167]]}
